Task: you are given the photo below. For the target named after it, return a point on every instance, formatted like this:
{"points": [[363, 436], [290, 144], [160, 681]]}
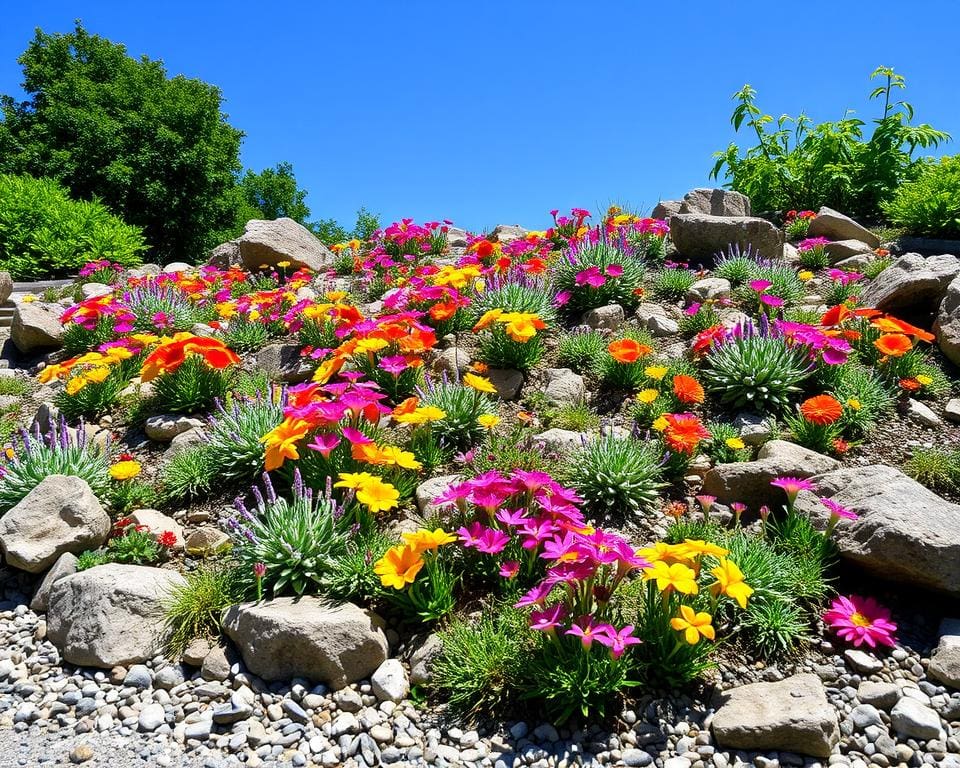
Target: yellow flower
{"points": [[424, 539], [76, 384], [661, 551], [281, 442], [805, 275], [124, 470], [924, 379], [352, 480], [52, 372], [647, 396], [693, 625], [392, 454], [656, 372], [378, 496], [488, 420], [372, 345], [699, 547], [735, 443], [489, 317], [675, 576], [29, 299], [226, 309], [730, 582], [521, 326], [853, 404], [479, 383], [399, 566], [98, 374], [283, 264], [660, 424]]}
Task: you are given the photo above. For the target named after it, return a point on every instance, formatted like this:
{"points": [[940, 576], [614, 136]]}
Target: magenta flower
{"points": [[394, 364], [693, 308], [771, 301], [792, 486], [546, 620], [259, 570], [511, 517], [706, 502], [510, 569], [614, 270], [860, 620], [760, 285], [535, 596], [586, 630], [590, 276], [616, 641], [838, 512], [355, 436], [561, 298], [323, 443], [489, 541]]}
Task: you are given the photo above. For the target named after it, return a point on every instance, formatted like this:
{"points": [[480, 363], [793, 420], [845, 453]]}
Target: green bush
{"points": [[195, 609], [43, 233], [930, 204]]}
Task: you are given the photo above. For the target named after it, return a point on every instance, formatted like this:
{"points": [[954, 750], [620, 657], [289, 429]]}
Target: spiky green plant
{"points": [[498, 350], [236, 428], [78, 339], [243, 335], [190, 473], [61, 452], [191, 388], [756, 372], [877, 266], [866, 397], [673, 284], [616, 476], [459, 430], [621, 289], [581, 350], [195, 608], [784, 283], [736, 266], [936, 468], [514, 294]]}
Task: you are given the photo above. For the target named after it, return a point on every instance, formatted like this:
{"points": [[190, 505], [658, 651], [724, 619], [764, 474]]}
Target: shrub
{"points": [[725, 445], [296, 540], [91, 559], [43, 233], [616, 476], [755, 371], [77, 338], [779, 280], [135, 547], [877, 266], [929, 204], [673, 284], [191, 473], [195, 609], [935, 468], [61, 452], [595, 275], [581, 350], [699, 317], [235, 432], [463, 406]]}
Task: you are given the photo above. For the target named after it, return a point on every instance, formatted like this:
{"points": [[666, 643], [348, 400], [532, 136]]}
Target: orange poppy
{"points": [[443, 310], [835, 315], [684, 432], [627, 350], [407, 406], [169, 356], [687, 389], [889, 324], [910, 385], [821, 410], [894, 344]]}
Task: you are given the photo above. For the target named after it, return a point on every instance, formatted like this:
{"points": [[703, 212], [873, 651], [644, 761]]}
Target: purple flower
{"points": [[771, 301], [590, 276], [547, 619], [616, 641]]}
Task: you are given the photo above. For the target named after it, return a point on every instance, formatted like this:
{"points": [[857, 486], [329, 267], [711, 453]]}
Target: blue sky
{"points": [[496, 112]]}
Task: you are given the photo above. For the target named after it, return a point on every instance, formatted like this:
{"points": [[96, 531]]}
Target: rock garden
{"points": [[676, 490]]}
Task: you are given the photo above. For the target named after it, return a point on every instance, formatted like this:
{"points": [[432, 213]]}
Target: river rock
{"points": [[564, 387], [912, 281], [36, 326], [945, 662]]}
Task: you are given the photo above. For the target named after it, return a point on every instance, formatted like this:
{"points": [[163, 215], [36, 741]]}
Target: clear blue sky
{"points": [[496, 112]]}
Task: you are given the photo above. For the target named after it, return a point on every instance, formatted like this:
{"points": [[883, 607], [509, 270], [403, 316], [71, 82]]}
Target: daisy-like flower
{"points": [[792, 486], [838, 512], [693, 625], [861, 620]]}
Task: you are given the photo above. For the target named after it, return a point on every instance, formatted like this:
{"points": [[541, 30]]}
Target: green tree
{"points": [[275, 194], [157, 150], [330, 231]]}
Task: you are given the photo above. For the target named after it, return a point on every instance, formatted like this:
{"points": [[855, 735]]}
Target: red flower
{"points": [[167, 539], [684, 432], [821, 410]]}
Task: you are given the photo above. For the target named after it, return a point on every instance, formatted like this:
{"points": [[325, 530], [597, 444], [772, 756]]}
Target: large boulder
{"points": [[910, 281], [36, 326], [282, 361], [749, 481], [110, 615], [666, 208], [947, 325], [225, 254], [62, 514], [504, 233], [715, 202], [835, 226], [903, 531], [792, 715], [66, 565], [272, 242], [701, 235], [841, 250], [336, 644]]}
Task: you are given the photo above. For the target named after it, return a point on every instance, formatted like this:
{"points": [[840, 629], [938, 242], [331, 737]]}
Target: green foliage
{"points": [[535, 296], [935, 468], [814, 258], [929, 204], [673, 284], [274, 193], [622, 290], [77, 339], [297, 540], [127, 495], [620, 375], [190, 473], [158, 151], [331, 232], [776, 628], [61, 452], [581, 350], [801, 165], [243, 335], [784, 283], [45, 233], [91, 559], [866, 397], [616, 476], [704, 317], [481, 664], [735, 266], [135, 547], [517, 449], [717, 448], [235, 431], [876, 266], [498, 350], [351, 576], [459, 430], [195, 609], [152, 298], [191, 388], [12, 385], [756, 372], [96, 398], [576, 418]]}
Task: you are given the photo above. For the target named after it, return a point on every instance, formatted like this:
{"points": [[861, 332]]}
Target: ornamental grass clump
{"points": [[816, 425], [158, 304], [195, 609], [672, 284], [236, 428], [510, 339], [812, 253], [516, 293], [189, 373], [62, 451], [591, 275], [464, 405], [581, 350]]}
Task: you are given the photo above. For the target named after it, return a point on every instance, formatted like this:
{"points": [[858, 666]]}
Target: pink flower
{"points": [[586, 630], [837, 510], [561, 298], [771, 301], [860, 620], [394, 365], [616, 641], [760, 285], [355, 436], [792, 486], [535, 595], [547, 619], [590, 276], [510, 569], [693, 308], [490, 541], [614, 270], [323, 443]]}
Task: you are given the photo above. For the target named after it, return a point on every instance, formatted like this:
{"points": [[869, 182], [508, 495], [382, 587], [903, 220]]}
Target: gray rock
{"points": [[95, 290], [456, 237], [920, 413], [183, 441], [272, 242], [151, 717], [164, 427], [945, 662], [947, 325], [138, 676], [422, 653], [904, 532], [911, 718], [506, 381], [561, 441], [753, 428], [504, 233], [110, 615], [791, 715], [177, 266], [428, 490], [197, 651], [951, 410], [234, 712], [708, 288], [864, 715], [834, 225], [36, 326], [699, 235], [636, 758], [281, 361], [911, 280], [216, 665], [856, 263], [66, 565], [716, 202], [862, 661], [841, 250], [307, 637], [198, 731], [749, 481], [564, 387], [389, 681], [610, 317], [157, 523], [225, 254], [6, 286], [881, 695], [348, 700], [666, 208], [207, 540], [661, 326], [454, 361], [169, 676], [62, 514]]}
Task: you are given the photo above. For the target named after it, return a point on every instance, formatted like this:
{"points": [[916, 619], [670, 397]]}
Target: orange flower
{"points": [[835, 315], [889, 324], [684, 432], [281, 442], [894, 344], [821, 410], [627, 350], [407, 406], [443, 310], [170, 355], [687, 389], [909, 385]]}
